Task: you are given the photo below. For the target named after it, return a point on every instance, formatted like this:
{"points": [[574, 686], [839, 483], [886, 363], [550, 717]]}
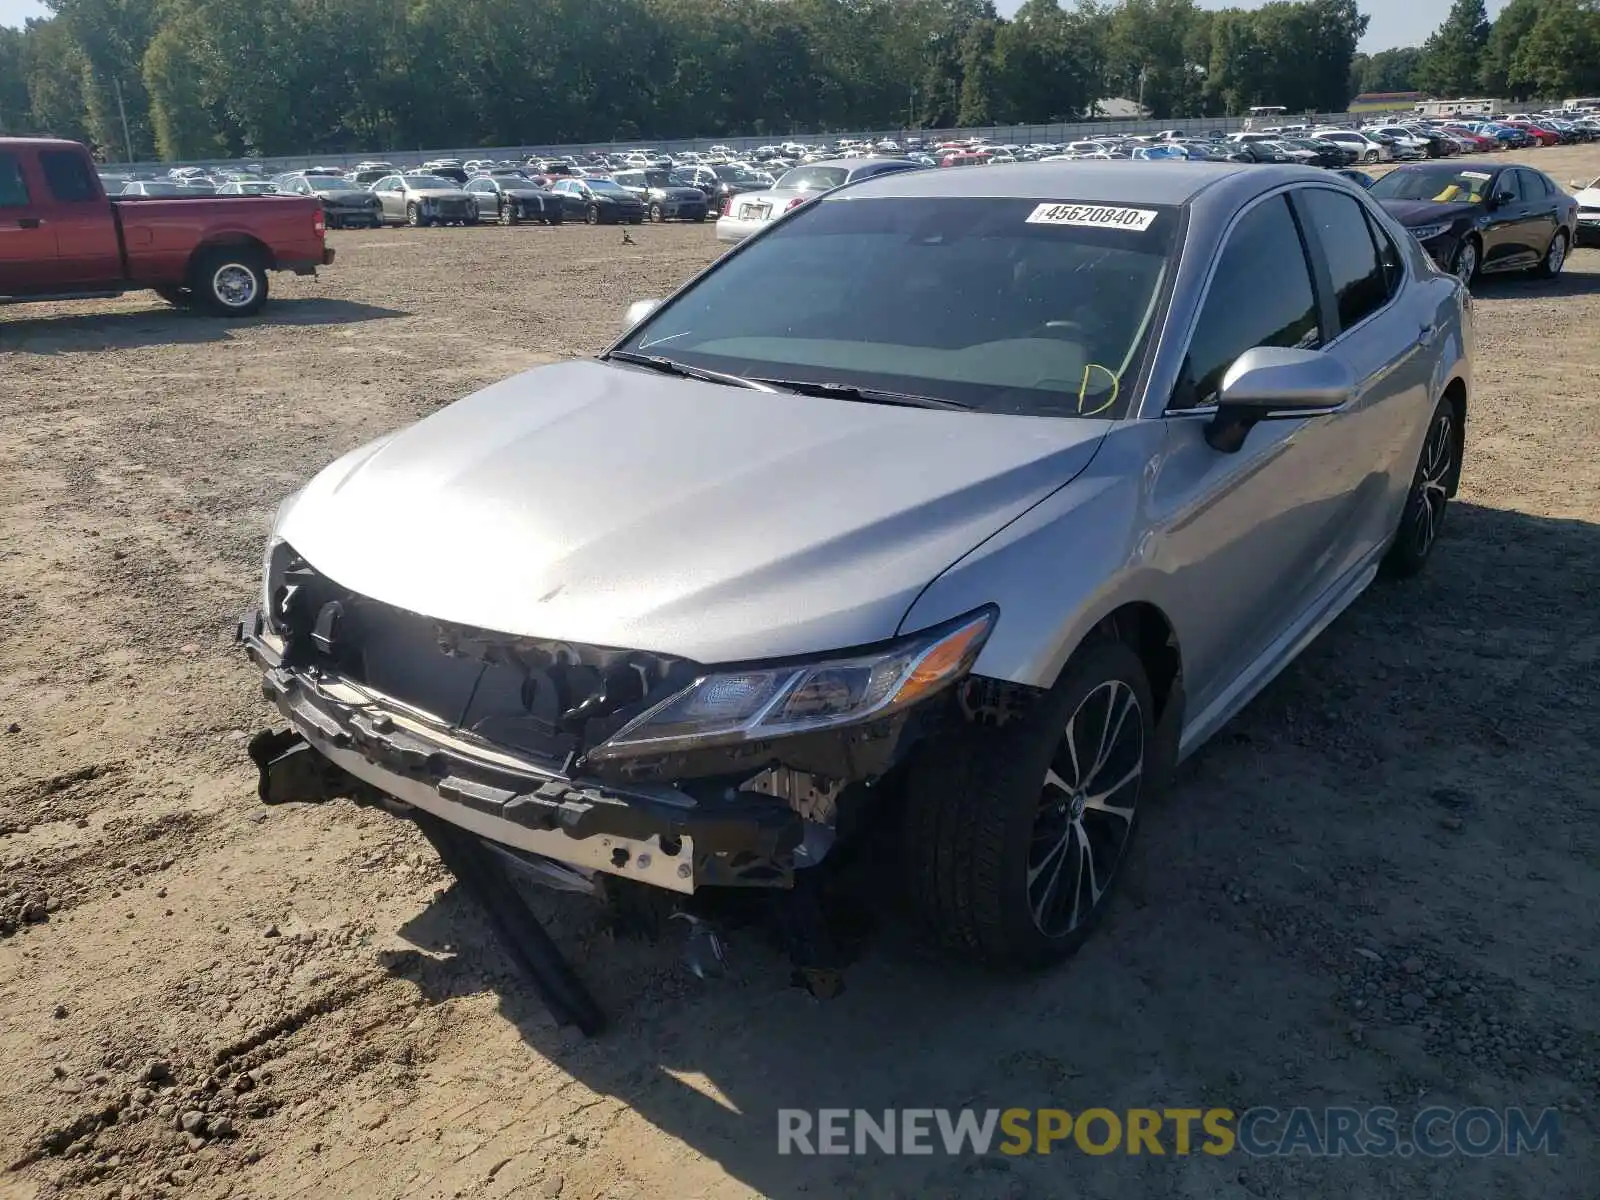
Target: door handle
{"points": [[30, 222]]}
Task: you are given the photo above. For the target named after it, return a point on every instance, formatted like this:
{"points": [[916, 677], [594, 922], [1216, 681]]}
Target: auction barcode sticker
{"points": [[1097, 215], [1476, 175]]}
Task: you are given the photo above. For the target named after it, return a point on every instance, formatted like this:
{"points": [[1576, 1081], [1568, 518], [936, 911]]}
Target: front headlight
{"points": [[1425, 233], [793, 698]]}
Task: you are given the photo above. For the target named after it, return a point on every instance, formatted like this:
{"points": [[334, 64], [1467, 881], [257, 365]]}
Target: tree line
{"points": [[189, 79], [1534, 49]]}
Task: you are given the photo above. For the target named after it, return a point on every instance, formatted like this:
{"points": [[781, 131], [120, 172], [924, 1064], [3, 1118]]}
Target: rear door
{"points": [[27, 242], [1540, 217], [74, 204]]}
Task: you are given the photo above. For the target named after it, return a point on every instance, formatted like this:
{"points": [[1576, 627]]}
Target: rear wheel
{"points": [[1554, 258], [230, 280], [1016, 837], [1422, 519], [592, 214], [1371, 156], [508, 215]]}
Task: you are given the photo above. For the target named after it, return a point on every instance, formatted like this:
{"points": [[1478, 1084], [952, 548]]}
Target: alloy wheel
{"points": [[1467, 261], [1556, 257], [1086, 809], [234, 285], [1433, 484]]}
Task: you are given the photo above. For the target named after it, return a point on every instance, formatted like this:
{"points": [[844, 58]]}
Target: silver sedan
{"points": [[1031, 479], [750, 212]]}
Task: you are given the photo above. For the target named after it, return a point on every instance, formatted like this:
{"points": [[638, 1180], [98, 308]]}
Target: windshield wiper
{"points": [[849, 391], [671, 366]]}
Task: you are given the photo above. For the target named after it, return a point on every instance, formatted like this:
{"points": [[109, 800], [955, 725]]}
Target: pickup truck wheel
{"points": [[1015, 837], [231, 281]]}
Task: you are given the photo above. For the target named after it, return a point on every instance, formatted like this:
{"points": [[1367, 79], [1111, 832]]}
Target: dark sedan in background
{"points": [[512, 199], [1477, 221], [345, 203], [664, 195], [599, 202]]}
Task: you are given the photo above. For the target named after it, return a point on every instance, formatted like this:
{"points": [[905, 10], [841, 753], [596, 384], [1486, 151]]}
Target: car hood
{"points": [[352, 196], [1588, 197], [437, 193], [1426, 212], [530, 191], [676, 193], [602, 504]]}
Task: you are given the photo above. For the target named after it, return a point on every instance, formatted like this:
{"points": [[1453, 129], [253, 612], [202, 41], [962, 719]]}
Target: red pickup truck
{"points": [[62, 237]]}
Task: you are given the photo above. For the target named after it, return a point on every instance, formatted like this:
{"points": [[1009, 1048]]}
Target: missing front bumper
{"points": [[347, 741]]}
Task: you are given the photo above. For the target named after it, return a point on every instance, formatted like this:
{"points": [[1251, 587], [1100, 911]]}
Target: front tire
{"points": [[1468, 258], [508, 215], [413, 216], [592, 215], [1015, 837], [231, 281], [1554, 258], [1371, 156], [658, 215], [1428, 501]]}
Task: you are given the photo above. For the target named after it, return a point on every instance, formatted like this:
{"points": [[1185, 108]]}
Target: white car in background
{"points": [[1588, 198], [1367, 151], [1406, 143]]}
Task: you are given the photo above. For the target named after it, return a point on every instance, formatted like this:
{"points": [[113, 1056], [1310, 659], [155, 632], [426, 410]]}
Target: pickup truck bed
{"points": [[62, 237]]}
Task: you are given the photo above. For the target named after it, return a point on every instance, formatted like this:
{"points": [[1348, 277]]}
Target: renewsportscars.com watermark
{"points": [[1260, 1132]]}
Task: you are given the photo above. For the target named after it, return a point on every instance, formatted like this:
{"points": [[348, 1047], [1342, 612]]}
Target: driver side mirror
{"points": [[1501, 197], [1275, 383], [638, 311]]}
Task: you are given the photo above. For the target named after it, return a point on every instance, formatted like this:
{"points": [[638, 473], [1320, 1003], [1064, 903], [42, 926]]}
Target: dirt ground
{"points": [[1378, 885]]}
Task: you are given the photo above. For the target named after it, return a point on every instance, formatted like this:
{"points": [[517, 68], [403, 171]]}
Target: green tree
{"points": [[1510, 32], [1389, 70], [1452, 58], [1561, 55]]}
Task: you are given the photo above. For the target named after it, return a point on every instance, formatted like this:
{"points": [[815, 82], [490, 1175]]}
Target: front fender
{"points": [[1059, 569]]}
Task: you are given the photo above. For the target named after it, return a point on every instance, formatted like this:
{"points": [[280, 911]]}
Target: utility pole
{"points": [[911, 111], [127, 141]]}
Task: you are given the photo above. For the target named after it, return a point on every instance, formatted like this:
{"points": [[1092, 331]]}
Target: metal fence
{"points": [[1000, 134]]}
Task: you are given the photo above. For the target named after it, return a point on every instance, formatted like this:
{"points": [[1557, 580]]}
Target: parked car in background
{"points": [[1588, 197], [665, 197], [65, 237], [751, 212], [1437, 143], [1367, 150], [512, 199], [599, 201], [345, 204], [911, 525], [1474, 221], [239, 187], [1481, 142], [420, 199], [1357, 177]]}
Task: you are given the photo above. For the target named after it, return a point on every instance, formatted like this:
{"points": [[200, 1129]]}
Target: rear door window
{"points": [[1339, 227], [67, 176], [13, 187]]}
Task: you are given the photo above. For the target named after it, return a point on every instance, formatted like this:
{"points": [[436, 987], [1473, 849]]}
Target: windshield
{"points": [[609, 186], [1009, 306], [734, 175], [661, 179], [428, 181], [254, 189], [1443, 186], [814, 178], [326, 183]]}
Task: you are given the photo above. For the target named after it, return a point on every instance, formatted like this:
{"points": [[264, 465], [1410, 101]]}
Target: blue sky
{"points": [[1394, 22]]}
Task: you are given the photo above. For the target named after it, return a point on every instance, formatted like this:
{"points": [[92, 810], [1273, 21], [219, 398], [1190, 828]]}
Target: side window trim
{"points": [[1193, 325]]}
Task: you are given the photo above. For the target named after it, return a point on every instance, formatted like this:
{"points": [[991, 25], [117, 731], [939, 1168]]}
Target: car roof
{"points": [[1107, 181]]}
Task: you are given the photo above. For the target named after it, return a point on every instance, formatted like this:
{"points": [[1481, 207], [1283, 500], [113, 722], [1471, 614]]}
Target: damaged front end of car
{"points": [[588, 763]]}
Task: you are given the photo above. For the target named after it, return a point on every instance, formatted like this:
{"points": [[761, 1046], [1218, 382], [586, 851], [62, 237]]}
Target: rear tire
{"points": [[592, 215], [997, 818], [508, 216], [231, 281], [1554, 258], [1428, 501]]}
